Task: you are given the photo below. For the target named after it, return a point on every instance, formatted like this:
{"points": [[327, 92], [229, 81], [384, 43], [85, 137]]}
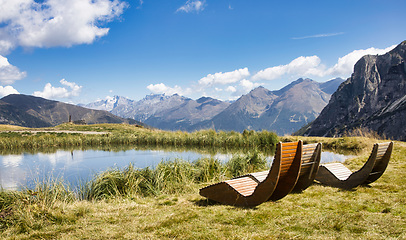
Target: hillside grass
{"points": [[129, 135], [163, 203], [5, 127]]}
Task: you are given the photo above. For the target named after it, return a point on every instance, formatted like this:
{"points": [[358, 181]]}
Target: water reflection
{"points": [[10, 171], [12, 160], [76, 166], [327, 157]]}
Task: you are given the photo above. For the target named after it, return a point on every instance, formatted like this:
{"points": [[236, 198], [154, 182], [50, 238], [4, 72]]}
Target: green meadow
{"points": [[164, 203]]}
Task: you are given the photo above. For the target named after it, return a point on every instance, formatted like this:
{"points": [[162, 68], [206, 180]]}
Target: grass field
{"points": [[126, 135], [177, 211]]}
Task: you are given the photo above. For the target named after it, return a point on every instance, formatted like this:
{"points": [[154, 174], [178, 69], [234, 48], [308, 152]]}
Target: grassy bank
{"points": [[129, 135], [164, 203]]}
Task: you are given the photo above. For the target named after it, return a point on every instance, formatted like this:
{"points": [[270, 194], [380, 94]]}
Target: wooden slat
{"points": [[289, 144]]}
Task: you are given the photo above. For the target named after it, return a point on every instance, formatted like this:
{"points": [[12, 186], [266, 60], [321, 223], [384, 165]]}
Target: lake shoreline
{"points": [[164, 204]]}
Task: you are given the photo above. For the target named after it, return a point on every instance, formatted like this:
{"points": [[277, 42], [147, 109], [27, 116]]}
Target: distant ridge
{"points": [[283, 111], [373, 98], [30, 111]]}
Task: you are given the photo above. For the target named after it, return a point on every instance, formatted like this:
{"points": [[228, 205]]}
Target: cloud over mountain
{"points": [[161, 88], [224, 78], [301, 66], [312, 66], [232, 84], [7, 90], [51, 92]]}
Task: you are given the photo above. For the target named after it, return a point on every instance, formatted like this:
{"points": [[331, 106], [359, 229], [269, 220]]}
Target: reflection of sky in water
{"points": [[327, 157], [76, 166], [10, 171]]}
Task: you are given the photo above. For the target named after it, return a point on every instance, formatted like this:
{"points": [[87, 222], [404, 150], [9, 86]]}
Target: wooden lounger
{"points": [[310, 166], [337, 175], [253, 189]]}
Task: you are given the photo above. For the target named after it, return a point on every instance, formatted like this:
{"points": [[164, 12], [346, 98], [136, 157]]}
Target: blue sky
{"points": [[80, 51]]}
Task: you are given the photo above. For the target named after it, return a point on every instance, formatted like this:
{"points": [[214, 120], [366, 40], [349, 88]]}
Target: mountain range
{"points": [[283, 111], [30, 111], [373, 98]]}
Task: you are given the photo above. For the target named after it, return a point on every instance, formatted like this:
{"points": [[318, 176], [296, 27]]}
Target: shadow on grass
{"points": [[205, 202], [208, 202]]}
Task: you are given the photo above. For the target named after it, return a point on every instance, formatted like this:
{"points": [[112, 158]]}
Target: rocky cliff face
{"points": [[374, 97]]}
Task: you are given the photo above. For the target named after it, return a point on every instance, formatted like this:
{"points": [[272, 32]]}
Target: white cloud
{"points": [[319, 35], [247, 85], [224, 78], [231, 89], [51, 92], [229, 85], [313, 67], [300, 66], [5, 45], [7, 90], [192, 6], [141, 2], [51, 23], [218, 89], [161, 88], [345, 65], [9, 73]]}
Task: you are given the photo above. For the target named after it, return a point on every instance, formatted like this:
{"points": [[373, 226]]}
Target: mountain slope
{"points": [[185, 115], [109, 104], [148, 106], [283, 111], [39, 112], [162, 111], [9, 114], [241, 114], [374, 97], [298, 105]]}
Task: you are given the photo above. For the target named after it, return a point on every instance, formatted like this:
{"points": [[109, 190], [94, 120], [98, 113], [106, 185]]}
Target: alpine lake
{"points": [[76, 166]]}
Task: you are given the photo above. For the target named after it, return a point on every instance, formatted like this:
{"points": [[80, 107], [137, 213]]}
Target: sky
{"points": [[81, 51]]}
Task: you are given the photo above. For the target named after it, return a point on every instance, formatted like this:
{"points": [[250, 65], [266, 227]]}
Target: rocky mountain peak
{"points": [[373, 98]]}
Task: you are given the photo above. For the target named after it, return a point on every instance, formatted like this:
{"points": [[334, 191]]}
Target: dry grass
{"points": [[11, 128], [377, 211]]}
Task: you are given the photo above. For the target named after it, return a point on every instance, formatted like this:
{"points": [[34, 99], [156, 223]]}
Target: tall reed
{"points": [[168, 177], [251, 162], [33, 208]]}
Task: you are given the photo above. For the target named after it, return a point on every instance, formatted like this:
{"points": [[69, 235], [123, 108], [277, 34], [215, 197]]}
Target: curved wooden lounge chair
{"points": [[337, 175], [253, 189], [310, 165]]}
